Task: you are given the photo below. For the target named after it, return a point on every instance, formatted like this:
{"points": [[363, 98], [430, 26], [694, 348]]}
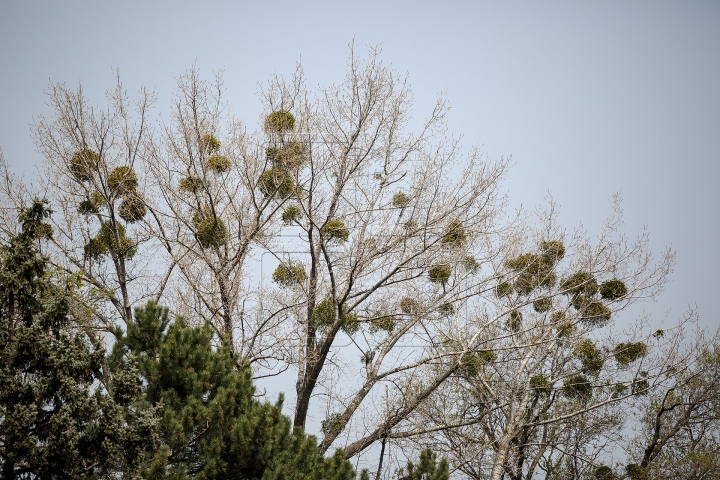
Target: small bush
{"points": [[291, 214], [603, 472], [192, 184], [122, 180], [400, 200], [541, 385], [289, 274], [210, 143], [577, 387], [132, 209], [219, 163], [542, 305], [613, 289], [626, 353], [408, 305], [553, 250], [335, 231], [84, 163], [276, 181], [332, 425], [565, 329], [580, 283], [280, 121], [455, 235], [440, 273], [515, 320]]}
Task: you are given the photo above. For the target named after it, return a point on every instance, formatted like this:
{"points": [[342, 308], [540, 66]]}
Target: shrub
{"points": [[335, 231], [280, 121], [580, 283], [289, 273], [440, 273], [541, 385], [84, 163], [455, 235], [291, 214], [192, 184], [122, 180], [219, 163], [400, 200], [210, 143], [276, 181], [626, 353], [408, 305], [613, 289], [515, 320], [543, 304], [577, 387], [132, 209], [503, 289], [210, 231], [553, 250], [590, 356]]}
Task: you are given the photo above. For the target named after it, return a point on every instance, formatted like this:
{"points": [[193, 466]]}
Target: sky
{"points": [[590, 99]]}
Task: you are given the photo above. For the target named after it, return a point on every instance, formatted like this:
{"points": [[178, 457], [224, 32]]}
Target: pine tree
{"points": [[56, 419], [211, 425], [427, 469]]}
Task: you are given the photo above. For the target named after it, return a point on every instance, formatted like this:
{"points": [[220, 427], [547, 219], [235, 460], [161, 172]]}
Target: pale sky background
{"points": [[588, 98]]}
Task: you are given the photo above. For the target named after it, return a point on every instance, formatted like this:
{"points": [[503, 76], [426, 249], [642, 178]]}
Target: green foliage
{"points": [[410, 226], [541, 385], [84, 163], [618, 390], [635, 472], [104, 243], [472, 363], [280, 121], [440, 273], [211, 426], [427, 469], [504, 289], [534, 271], [219, 163], [132, 208], [56, 418], [591, 311], [122, 181], [289, 273], [578, 387], [565, 329], [470, 264], [400, 200], [514, 321], [291, 214], [324, 316], [210, 230], [333, 425], [290, 156], [580, 283], [192, 184], [590, 356], [276, 182], [613, 289], [447, 309], [455, 235], [385, 323], [640, 387], [91, 205], [335, 231], [603, 472], [408, 305], [626, 353], [553, 249], [542, 305], [210, 143]]}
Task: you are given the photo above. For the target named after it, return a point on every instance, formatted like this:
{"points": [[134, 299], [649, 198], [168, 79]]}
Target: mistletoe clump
{"points": [[613, 289], [447, 309], [291, 214], [455, 235], [408, 305], [533, 271], [440, 273], [590, 356], [219, 163], [553, 250], [577, 387], [335, 230], [385, 323], [277, 182], [122, 180], [541, 385], [324, 316], [542, 305], [289, 274], [580, 283], [210, 143], [515, 320], [210, 230], [132, 209], [472, 362], [92, 204], [503, 289], [591, 311], [400, 200], [104, 243], [280, 121], [83, 163], [626, 353], [192, 184]]}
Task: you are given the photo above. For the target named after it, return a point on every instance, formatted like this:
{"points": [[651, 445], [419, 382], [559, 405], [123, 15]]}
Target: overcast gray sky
{"points": [[588, 98]]}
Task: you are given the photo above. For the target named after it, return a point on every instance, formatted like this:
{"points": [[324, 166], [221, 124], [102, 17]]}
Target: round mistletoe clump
{"points": [[83, 163], [219, 163], [400, 200], [503, 289], [280, 121], [122, 180], [385, 323], [553, 249], [455, 235], [515, 320], [289, 274], [276, 181], [577, 387], [335, 230], [192, 184], [291, 214], [408, 305], [613, 289], [543, 304], [440, 273], [541, 385], [211, 231], [132, 209], [580, 283], [210, 143], [626, 353]]}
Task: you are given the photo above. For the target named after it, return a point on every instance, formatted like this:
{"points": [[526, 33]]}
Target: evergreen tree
{"points": [[211, 425], [56, 419], [427, 469]]}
